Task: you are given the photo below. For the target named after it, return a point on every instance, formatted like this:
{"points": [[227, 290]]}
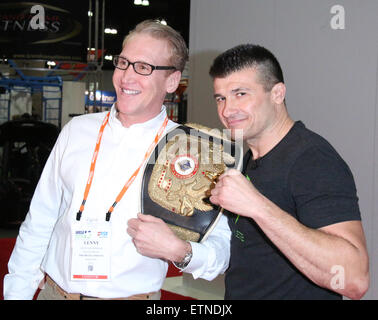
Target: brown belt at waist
{"points": [[79, 296]]}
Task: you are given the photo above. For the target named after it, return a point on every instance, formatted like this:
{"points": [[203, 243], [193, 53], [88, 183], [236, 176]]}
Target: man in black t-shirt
{"points": [[296, 224]]}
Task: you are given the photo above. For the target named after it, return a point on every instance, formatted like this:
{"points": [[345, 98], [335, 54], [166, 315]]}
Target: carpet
{"points": [[6, 247]]}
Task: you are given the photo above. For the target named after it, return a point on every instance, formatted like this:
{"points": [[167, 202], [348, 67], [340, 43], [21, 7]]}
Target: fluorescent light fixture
{"points": [[108, 57], [142, 3], [110, 31], [51, 63]]}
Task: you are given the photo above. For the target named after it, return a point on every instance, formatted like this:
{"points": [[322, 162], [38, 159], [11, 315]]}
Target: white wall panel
{"points": [[331, 76]]}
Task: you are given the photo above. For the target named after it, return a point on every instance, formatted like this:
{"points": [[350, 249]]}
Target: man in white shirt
{"points": [[89, 242]]}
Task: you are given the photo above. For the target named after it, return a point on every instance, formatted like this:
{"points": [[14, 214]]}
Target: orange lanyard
{"points": [[129, 181]]}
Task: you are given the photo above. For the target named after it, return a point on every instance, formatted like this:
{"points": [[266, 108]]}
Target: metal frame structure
{"points": [[94, 78], [32, 84]]}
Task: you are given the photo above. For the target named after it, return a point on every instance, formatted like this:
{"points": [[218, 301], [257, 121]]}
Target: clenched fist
{"points": [[235, 193]]}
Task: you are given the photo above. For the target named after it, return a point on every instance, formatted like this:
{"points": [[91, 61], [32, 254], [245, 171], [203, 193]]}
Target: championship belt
{"points": [[179, 176]]}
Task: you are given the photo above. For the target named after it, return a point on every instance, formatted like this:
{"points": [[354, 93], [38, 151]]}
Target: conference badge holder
{"points": [[91, 250]]}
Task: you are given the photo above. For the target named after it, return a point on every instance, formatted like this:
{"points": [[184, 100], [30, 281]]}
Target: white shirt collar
{"points": [[149, 124]]}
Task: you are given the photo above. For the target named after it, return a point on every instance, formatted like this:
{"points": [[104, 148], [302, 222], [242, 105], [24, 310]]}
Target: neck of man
{"points": [[128, 120], [271, 136]]}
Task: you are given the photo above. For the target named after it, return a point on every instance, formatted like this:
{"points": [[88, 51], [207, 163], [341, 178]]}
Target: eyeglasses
{"points": [[143, 68]]}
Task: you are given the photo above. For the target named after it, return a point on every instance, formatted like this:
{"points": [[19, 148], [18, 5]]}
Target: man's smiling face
{"points": [[140, 97]]}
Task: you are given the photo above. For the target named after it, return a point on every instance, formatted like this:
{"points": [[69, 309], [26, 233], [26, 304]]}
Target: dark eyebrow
{"points": [[234, 91], [239, 89]]}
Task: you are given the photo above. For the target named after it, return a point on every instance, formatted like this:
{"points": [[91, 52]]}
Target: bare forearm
{"points": [[329, 260], [318, 254]]}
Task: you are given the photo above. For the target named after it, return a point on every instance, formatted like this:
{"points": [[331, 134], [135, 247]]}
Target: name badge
{"points": [[91, 252]]}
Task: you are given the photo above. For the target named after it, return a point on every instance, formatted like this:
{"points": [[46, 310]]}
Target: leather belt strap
{"points": [[79, 296]]}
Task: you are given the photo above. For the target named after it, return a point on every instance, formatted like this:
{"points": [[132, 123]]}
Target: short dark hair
{"points": [[249, 56]]}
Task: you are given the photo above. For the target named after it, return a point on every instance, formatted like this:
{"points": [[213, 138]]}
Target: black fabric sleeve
{"points": [[323, 188]]}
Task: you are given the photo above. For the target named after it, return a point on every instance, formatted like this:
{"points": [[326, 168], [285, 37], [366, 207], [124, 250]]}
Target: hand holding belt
{"points": [[179, 176]]}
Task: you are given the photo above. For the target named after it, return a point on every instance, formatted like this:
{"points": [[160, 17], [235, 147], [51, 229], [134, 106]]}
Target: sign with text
{"points": [[103, 98], [53, 30]]}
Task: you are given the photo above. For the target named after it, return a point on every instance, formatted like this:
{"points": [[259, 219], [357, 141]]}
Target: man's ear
{"points": [[278, 93], [173, 81]]}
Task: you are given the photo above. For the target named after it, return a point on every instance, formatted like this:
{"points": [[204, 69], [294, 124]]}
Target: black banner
{"points": [[54, 30]]}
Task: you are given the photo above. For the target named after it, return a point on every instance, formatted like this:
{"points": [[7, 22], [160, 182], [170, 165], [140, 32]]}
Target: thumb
{"points": [[146, 217]]}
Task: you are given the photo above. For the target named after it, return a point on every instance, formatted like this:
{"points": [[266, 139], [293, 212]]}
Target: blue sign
{"points": [[103, 98]]}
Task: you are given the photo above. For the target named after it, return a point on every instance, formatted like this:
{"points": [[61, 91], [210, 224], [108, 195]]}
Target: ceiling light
{"points": [[110, 31], [108, 57], [142, 3]]}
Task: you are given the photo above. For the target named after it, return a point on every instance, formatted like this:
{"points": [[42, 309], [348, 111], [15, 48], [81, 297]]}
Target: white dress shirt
{"points": [[44, 241]]}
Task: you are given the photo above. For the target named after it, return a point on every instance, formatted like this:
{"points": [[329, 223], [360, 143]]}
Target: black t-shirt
{"points": [[304, 176]]}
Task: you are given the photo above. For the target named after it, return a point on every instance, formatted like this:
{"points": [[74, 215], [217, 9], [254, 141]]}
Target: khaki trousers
{"points": [[51, 291]]}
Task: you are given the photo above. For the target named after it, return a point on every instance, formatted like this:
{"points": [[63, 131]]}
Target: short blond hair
{"points": [[179, 50]]}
